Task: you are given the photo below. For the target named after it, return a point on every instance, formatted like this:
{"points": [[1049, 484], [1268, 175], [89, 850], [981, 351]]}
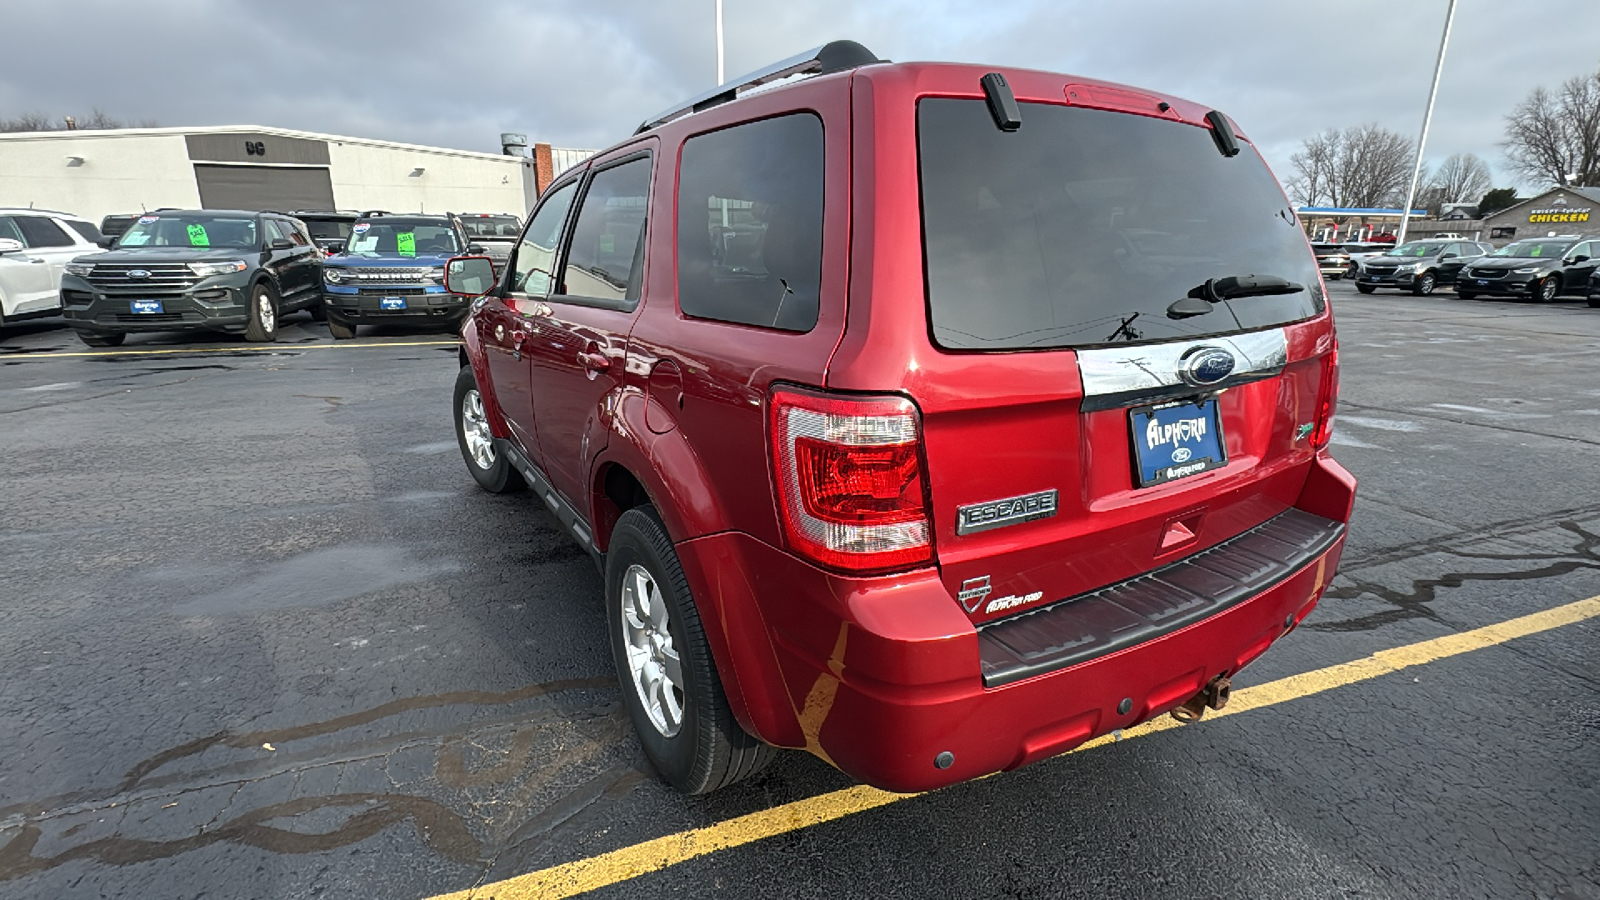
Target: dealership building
{"points": [[98, 173]]}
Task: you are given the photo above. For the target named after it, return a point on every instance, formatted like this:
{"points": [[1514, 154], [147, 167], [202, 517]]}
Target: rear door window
{"points": [[603, 259], [1083, 226], [750, 224], [37, 231]]}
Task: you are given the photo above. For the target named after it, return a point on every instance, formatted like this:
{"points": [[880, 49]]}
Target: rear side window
{"points": [[603, 259], [750, 224], [87, 230], [9, 229], [38, 231], [534, 267], [1083, 226]]}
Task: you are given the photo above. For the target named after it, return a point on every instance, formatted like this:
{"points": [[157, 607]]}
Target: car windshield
{"points": [[329, 229], [1417, 248], [1082, 227], [391, 236], [505, 227], [184, 230], [1535, 249]]}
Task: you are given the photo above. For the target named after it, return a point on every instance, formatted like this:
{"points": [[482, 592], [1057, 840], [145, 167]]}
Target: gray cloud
{"points": [[583, 74]]}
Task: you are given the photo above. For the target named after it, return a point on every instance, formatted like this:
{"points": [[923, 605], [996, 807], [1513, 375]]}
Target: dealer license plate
{"points": [[392, 303], [1176, 440], [147, 306]]}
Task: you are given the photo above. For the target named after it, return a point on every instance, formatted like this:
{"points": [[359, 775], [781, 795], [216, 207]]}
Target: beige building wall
{"points": [[120, 172], [377, 176]]}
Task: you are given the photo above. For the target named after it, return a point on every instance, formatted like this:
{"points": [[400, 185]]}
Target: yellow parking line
{"points": [[264, 349], [569, 879]]}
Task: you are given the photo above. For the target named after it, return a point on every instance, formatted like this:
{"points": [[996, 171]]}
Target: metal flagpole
{"points": [[1427, 118]]}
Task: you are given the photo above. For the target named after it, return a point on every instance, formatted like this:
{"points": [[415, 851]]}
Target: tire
{"points": [[1424, 284], [652, 619], [1549, 289], [489, 467], [102, 340], [263, 324], [1466, 295], [1594, 301], [319, 313], [341, 330], [1365, 288]]}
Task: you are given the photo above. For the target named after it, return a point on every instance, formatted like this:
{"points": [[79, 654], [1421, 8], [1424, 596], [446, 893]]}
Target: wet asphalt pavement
{"points": [[261, 636]]}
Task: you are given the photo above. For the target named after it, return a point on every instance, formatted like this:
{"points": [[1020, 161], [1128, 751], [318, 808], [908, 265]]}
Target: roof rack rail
{"points": [[834, 56]]}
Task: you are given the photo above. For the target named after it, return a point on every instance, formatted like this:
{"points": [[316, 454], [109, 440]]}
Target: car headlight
{"points": [[436, 275], [333, 276], [1526, 270], [80, 269], [207, 269]]}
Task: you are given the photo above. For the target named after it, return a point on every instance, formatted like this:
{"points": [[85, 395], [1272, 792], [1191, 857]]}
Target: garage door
{"points": [[264, 187]]}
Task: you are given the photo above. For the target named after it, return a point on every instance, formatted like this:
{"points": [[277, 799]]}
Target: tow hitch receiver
{"points": [[1214, 695]]}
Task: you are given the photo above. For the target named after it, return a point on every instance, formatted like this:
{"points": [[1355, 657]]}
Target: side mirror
{"points": [[469, 275], [333, 247], [1578, 259], [11, 245], [105, 242], [1447, 256], [281, 244], [476, 248]]}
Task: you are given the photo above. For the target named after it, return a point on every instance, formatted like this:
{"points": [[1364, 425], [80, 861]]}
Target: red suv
{"points": [[930, 419]]}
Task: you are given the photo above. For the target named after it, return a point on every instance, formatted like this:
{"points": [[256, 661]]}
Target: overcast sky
{"points": [[583, 74]]}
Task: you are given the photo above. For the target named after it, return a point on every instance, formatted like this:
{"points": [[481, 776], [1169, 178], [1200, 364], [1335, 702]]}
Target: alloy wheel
{"points": [[653, 664], [475, 428]]}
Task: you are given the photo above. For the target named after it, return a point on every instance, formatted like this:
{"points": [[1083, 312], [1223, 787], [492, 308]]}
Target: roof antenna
{"points": [[1222, 133], [1002, 103]]}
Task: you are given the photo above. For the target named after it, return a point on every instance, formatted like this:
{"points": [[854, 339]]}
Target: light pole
{"points": [[1427, 117], [721, 78]]}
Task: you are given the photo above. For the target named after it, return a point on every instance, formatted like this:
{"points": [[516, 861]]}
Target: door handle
{"points": [[595, 362], [38, 261], [517, 337]]}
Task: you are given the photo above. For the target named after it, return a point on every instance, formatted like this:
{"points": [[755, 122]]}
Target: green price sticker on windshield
{"points": [[198, 236], [406, 243]]}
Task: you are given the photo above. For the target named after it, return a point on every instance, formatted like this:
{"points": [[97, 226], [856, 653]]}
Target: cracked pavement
{"points": [[261, 635]]}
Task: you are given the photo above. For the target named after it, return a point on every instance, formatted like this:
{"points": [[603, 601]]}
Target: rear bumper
{"points": [[880, 676]]}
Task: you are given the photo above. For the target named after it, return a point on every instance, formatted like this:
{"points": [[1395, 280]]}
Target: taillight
{"points": [[1327, 398], [851, 487]]}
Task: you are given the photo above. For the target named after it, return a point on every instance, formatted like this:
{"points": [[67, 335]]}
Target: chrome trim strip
{"points": [[1127, 376]]}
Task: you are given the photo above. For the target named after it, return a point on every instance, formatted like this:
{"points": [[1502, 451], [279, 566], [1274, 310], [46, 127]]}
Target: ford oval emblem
{"points": [[138, 273], [1206, 366]]}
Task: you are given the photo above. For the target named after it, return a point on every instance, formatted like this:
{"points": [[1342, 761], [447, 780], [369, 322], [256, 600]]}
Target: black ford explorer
{"points": [[174, 270]]}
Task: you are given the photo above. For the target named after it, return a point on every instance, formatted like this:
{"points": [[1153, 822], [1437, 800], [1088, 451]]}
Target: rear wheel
{"points": [[102, 340], [263, 325], [669, 681], [1365, 288], [1466, 295], [1424, 284], [489, 467], [1594, 301], [1548, 289], [341, 330]]}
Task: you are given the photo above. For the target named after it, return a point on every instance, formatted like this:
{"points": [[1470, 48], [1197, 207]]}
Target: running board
{"points": [[1154, 604], [564, 511]]}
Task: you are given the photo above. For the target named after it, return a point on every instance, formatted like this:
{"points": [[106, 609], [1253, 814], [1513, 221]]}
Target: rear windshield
{"points": [[390, 236], [329, 229], [1083, 226], [190, 230], [507, 228]]}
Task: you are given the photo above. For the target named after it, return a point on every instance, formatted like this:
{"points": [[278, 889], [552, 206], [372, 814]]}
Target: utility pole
{"points": [[721, 79], [1427, 118]]}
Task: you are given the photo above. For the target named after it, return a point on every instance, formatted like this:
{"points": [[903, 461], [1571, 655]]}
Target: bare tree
{"points": [[1553, 137], [30, 121], [1461, 178], [35, 121], [1358, 166]]}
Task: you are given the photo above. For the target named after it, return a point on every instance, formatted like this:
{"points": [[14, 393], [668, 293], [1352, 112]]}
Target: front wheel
{"points": [[102, 340], [1466, 295], [1365, 288], [1424, 284], [319, 313], [340, 329], [263, 324], [669, 680], [489, 467], [1594, 301], [1548, 289]]}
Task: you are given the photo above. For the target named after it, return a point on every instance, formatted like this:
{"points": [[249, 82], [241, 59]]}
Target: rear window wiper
{"points": [[1201, 297]]}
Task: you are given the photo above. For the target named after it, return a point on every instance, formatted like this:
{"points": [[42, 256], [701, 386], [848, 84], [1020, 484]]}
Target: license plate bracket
{"points": [[1176, 440]]}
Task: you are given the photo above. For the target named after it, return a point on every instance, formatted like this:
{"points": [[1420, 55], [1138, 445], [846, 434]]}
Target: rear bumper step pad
{"points": [[1148, 606]]}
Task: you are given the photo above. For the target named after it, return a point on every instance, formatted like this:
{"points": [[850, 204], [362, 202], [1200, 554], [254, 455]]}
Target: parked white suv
{"points": [[35, 247]]}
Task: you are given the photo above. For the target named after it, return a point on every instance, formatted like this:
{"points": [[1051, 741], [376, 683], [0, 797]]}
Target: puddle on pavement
{"points": [[317, 578]]}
